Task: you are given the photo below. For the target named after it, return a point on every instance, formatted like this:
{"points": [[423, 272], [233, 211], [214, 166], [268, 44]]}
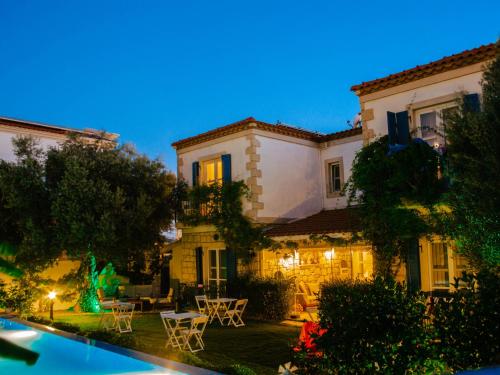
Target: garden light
{"points": [[52, 296]]}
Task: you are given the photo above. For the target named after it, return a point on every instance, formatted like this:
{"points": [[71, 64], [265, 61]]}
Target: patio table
{"points": [[218, 306], [113, 305], [174, 322]]}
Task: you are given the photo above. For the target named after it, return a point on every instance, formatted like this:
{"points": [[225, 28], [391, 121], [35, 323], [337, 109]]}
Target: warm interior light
{"points": [[330, 254], [52, 295]]}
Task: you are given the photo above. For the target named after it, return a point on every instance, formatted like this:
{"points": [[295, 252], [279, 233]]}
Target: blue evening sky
{"points": [[159, 71]]}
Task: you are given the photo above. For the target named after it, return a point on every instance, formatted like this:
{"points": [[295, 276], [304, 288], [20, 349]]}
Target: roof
{"points": [[447, 63], [56, 129], [328, 221], [251, 123]]}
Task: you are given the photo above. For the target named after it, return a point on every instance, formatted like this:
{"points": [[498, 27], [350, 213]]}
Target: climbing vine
{"points": [[222, 206], [398, 192]]}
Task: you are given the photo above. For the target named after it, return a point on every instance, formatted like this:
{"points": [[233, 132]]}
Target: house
{"points": [[296, 176], [47, 136], [416, 102]]}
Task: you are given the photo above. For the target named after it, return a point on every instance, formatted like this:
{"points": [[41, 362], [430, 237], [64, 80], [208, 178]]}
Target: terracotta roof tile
{"points": [[328, 221], [55, 129], [250, 122], [447, 63]]}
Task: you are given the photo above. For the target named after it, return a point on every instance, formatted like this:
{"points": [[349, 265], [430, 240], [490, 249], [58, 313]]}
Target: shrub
{"points": [[268, 298], [371, 327], [468, 324]]}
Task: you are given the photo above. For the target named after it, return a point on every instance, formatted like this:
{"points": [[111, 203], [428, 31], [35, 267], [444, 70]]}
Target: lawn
{"points": [[261, 346]]}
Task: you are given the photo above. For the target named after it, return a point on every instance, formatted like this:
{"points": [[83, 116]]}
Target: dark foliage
{"points": [[474, 164], [468, 323], [371, 327], [395, 192], [268, 298]]}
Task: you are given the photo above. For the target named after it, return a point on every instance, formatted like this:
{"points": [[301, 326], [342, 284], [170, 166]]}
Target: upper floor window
{"points": [[335, 177], [431, 124], [211, 171]]}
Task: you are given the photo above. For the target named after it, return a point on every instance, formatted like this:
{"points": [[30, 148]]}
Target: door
{"points": [[217, 272]]}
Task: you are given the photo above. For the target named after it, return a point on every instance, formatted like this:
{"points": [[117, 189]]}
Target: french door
{"points": [[217, 271]]}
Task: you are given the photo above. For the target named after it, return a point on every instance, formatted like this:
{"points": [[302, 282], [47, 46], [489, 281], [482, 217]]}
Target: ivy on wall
{"points": [[398, 194], [221, 205]]}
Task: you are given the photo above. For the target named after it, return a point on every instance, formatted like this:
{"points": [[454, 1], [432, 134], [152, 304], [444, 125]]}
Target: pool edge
{"points": [[163, 362]]}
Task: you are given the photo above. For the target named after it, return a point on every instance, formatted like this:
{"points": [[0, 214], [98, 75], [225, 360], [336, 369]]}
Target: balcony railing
{"points": [[194, 212]]}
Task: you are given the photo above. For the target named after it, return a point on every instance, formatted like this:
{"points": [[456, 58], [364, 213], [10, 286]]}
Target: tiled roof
{"points": [[339, 135], [55, 129], [250, 123], [447, 63], [329, 221]]}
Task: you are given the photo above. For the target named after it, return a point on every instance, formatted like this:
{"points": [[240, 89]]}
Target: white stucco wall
{"points": [[45, 140], [346, 149], [291, 178], [469, 83]]}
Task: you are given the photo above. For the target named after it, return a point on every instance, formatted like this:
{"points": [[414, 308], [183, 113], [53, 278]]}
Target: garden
{"points": [[106, 208]]}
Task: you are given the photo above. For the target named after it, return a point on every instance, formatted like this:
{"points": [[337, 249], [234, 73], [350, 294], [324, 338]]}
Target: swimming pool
{"points": [[29, 350]]}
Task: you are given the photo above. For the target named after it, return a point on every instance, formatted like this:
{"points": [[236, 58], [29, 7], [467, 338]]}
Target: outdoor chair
{"points": [[202, 303], [235, 315], [307, 296], [124, 313], [195, 331]]}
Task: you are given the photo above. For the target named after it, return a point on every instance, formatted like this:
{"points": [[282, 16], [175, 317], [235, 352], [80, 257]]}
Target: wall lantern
{"points": [[330, 254]]}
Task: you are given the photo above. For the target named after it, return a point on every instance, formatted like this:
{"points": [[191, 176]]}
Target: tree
{"points": [[25, 208], [395, 191], [473, 155], [97, 203]]}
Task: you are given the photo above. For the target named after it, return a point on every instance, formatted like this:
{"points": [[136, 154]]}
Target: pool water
{"points": [[38, 352]]}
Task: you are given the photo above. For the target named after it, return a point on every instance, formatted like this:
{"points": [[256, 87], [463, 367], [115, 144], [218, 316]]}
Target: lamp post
{"points": [[52, 296]]}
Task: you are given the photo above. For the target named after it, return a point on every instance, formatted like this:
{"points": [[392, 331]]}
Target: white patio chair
{"points": [[124, 314], [202, 303], [196, 330], [235, 315]]}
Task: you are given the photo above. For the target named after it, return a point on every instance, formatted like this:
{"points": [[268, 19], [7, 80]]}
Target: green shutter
{"points": [[391, 127], [231, 264], [199, 265], [413, 265], [196, 173], [226, 167], [471, 103], [403, 128]]}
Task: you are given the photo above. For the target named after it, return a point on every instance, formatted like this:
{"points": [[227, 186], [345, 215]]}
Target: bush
{"points": [[371, 327], [238, 370], [268, 298], [468, 324]]}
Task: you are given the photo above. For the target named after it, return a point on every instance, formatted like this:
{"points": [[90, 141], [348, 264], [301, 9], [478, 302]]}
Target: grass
{"points": [[260, 346]]}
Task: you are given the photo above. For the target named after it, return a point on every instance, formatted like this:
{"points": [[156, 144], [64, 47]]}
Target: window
{"points": [[445, 265], [440, 272], [432, 123], [217, 272], [211, 171], [335, 177]]}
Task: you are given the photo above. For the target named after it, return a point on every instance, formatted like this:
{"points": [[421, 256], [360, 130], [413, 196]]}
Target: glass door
{"points": [[217, 272]]}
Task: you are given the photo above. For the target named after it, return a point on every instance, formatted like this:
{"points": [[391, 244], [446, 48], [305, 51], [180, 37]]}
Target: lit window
{"points": [[212, 171], [446, 265]]}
